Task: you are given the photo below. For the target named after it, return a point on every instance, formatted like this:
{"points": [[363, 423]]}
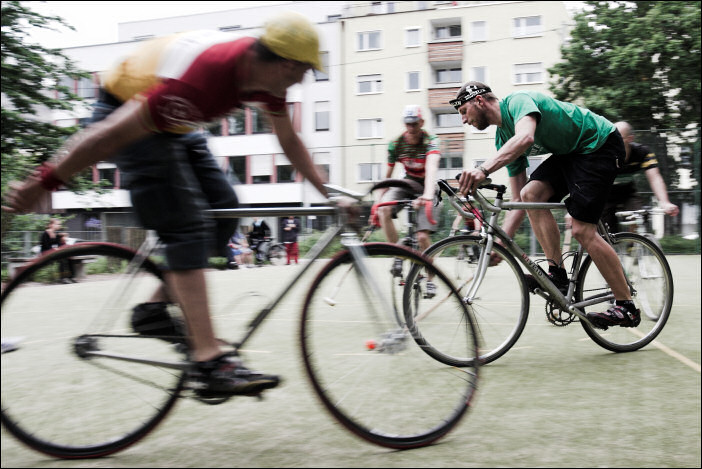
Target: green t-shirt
{"points": [[562, 127]]}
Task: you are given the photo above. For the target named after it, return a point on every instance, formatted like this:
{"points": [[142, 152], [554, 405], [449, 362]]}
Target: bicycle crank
{"points": [[557, 316]]}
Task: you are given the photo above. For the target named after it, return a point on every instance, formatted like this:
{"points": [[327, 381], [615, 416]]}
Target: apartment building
{"points": [[378, 57], [398, 53]]}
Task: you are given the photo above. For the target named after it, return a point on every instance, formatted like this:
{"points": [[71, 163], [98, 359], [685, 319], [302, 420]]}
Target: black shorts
{"points": [[586, 178]]}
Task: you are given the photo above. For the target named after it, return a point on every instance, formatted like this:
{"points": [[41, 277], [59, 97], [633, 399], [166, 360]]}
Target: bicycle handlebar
{"points": [[374, 209]]}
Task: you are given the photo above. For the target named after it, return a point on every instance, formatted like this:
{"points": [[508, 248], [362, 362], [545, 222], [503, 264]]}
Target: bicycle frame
{"points": [[341, 227], [492, 230]]}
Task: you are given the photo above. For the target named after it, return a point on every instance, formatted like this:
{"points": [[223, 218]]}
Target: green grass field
{"points": [[555, 400]]}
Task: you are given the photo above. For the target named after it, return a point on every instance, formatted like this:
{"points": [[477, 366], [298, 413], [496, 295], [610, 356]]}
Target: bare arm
{"points": [[655, 180], [296, 151], [513, 218], [523, 138], [98, 142], [431, 169]]}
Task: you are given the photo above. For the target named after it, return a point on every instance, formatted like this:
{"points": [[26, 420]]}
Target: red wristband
{"points": [[48, 178]]}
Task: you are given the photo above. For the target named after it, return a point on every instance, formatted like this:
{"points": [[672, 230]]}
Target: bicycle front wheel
{"points": [[500, 305], [649, 275], [366, 368], [60, 396]]}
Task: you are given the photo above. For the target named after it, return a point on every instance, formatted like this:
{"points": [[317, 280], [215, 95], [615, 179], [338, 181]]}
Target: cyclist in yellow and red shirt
{"points": [[150, 104]]}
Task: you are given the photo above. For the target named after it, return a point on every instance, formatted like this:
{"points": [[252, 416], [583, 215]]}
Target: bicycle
{"points": [[410, 187], [499, 298], [268, 250], [72, 344], [639, 220]]}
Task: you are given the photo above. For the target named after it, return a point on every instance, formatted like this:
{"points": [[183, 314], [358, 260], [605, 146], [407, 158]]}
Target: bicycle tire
{"points": [[386, 391], [73, 407], [501, 313], [648, 272], [277, 254]]}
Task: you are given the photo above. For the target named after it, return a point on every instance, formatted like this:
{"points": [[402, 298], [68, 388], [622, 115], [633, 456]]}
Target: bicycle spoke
{"points": [[57, 396], [368, 371]]}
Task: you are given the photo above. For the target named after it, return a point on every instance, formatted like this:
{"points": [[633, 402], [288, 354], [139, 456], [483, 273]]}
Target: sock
{"points": [[558, 272], [628, 304]]}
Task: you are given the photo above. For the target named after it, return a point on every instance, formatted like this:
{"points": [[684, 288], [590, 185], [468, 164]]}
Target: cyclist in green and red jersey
{"points": [[418, 151]]}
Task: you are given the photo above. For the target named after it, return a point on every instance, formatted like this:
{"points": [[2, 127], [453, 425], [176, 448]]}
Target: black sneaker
{"points": [[396, 270], [226, 376], [615, 316], [559, 279], [153, 319]]}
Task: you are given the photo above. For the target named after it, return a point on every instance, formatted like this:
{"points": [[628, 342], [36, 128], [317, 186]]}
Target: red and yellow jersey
{"points": [[187, 79]]}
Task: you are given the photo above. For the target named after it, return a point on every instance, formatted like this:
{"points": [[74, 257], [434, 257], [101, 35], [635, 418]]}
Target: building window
{"points": [[478, 74], [260, 123], [87, 88], [261, 179], [322, 162], [214, 128], [478, 31], [448, 75], [370, 128], [261, 168], [412, 37], [236, 122], [369, 84], [319, 75], [107, 172], [378, 8], [413, 81], [452, 31], [449, 119], [69, 83], [236, 172], [449, 165], [528, 73], [368, 40], [527, 26], [284, 171], [321, 116], [370, 172]]}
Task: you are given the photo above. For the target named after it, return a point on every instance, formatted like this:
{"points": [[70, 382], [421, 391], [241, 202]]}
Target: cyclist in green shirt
{"points": [[586, 150]]}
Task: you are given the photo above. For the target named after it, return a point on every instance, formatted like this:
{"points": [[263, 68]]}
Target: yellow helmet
{"points": [[291, 36]]}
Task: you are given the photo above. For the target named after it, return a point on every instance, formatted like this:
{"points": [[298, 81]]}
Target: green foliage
{"points": [[679, 245], [31, 80], [219, 263], [634, 61]]}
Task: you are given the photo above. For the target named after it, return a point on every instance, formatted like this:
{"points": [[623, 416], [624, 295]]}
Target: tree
{"points": [[634, 61], [31, 77]]}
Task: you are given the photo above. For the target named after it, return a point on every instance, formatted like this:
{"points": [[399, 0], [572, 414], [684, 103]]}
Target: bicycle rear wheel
{"points": [[500, 305], [277, 254], [58, 397], [367, 369], [648, 272]]}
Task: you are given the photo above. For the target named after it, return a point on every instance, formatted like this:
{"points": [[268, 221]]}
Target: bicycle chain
{"points": [[558, 317]]}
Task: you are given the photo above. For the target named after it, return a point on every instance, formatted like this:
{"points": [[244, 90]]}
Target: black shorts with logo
{"points": [[586, 178]]}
